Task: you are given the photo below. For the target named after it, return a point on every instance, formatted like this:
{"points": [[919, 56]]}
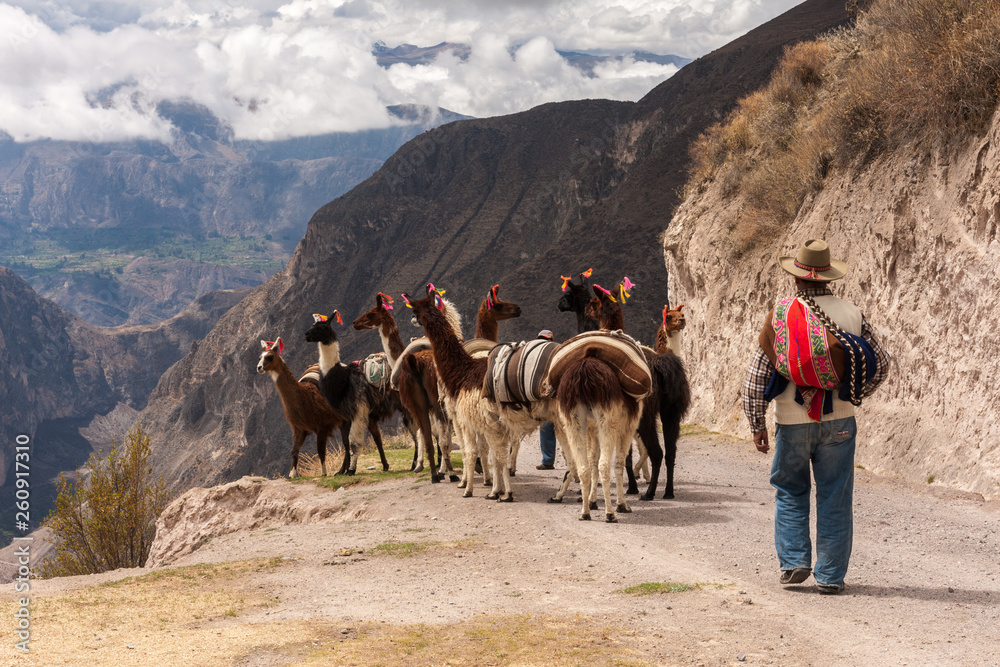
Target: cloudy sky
{"points": [[94, 70]]}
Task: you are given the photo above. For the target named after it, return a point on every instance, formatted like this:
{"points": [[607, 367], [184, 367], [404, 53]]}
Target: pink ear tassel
{"points": [[406, 300], [665, 309], [340, 320], [565, 285]]}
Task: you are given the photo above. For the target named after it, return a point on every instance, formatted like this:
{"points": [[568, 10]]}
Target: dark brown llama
{"points": [[670, 399], [417, 383], [305, 408]]}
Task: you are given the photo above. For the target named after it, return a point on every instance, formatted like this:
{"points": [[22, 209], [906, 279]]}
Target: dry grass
{"points": [[909, 72], [483, 640], [186, 615]]}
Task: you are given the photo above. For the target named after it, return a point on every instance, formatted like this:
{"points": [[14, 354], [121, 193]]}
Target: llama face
{"points": [[321, 332], [576, 297], [269, 358], [674, 321]]}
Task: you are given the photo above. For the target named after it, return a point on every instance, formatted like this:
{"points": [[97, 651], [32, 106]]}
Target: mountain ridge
{"points": [[518, 199]]}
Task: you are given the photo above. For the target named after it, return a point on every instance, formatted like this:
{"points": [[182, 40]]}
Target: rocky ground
{"points": [[409, 572]]}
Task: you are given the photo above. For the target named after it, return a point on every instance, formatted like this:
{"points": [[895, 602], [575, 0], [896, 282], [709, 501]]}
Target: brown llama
{"points": [[462, 377], [305, 408], [668, 336], [598, 415], [417, 383]]}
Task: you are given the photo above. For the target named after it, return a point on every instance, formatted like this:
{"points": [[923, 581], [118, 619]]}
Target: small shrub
{"points": [[107, 520]]}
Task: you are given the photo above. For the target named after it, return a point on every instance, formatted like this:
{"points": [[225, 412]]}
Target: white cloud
{"points": [[95, 70]]}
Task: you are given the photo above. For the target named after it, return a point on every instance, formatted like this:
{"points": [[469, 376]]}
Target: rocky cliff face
{"points": [[517, 200], [920, 232], [57, 373]]}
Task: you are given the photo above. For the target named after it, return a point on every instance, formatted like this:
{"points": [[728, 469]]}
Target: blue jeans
{"points": [[547, 436], [830, 448]]}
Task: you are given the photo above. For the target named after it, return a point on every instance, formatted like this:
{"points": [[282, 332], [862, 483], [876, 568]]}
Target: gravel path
{"points": [[922, 588]]}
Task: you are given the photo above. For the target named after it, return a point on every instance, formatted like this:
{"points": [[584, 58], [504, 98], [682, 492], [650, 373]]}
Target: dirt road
{"points": [[922, 589]]}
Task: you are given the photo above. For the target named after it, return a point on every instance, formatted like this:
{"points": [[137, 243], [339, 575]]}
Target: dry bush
{"points": [[926, 71], [909, 71], [108, 519]]}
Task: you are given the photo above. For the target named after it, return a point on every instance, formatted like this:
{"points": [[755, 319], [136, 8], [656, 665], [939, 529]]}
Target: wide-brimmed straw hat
{"points": [[813, 262]]}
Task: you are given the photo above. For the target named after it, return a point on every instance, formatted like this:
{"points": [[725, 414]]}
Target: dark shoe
{"points": [[795, 576], [545, 466], [830, 589]]}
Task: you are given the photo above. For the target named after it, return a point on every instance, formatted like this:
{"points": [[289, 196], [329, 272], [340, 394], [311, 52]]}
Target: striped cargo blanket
{"points": [[515, 371], [618, 350], [479, 347]]}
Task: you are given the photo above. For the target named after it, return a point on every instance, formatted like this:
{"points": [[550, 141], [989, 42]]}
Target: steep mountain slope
{"points": [[58, 373], [517, 200]]}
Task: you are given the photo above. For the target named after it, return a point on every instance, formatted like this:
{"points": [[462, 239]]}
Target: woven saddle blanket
{"points": [[515, 371], [616, 349]]}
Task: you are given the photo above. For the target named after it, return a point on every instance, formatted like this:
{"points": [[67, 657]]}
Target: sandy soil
{"points": [[922, 588]]}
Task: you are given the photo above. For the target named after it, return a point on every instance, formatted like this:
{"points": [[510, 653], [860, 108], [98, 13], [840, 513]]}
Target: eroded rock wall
{"points": [[920, 234]]}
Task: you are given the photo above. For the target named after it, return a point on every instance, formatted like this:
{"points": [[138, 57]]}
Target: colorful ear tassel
{"points": [[606, 293], [386, 301], [431, 288], [624, 287], [406, 300], [317, 318], [491, 298], [586, 274], [269, 344], [439, 302], [340, 320], [565, 285], [666, 307]]}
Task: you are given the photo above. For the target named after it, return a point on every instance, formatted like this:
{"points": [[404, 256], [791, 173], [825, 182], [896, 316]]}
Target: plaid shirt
{"points": [[759, 373]]}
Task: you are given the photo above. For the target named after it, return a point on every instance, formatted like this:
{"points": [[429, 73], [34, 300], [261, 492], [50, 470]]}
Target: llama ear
{"points": [[665, 309], [406, 300], [266, 344], [317, 318], [280, 344], [586, 274], [679, 307], [438, 301]]}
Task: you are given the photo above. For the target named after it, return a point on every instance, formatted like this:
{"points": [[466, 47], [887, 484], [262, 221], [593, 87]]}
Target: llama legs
{"points": [[298, 437]]}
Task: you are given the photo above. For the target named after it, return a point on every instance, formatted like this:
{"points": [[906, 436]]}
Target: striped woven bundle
{"points": [[614, 348], [311, 375], [515, 371]]}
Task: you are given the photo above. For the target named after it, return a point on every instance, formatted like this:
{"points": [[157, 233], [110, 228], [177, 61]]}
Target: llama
{"points": [[305, 408], [668, 336], [598, 415], [575, 299], [462, 377], [417, 386], [669, 400], [349, 393]]}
